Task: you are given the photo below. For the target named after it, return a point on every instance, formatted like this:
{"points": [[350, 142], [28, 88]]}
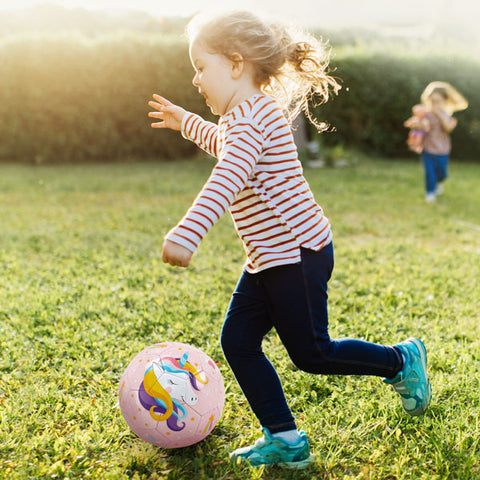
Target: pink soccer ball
{"points": [[171, 395]]}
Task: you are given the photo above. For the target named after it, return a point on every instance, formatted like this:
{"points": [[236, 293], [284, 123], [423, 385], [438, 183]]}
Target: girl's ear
{"points": [[237, 65]]}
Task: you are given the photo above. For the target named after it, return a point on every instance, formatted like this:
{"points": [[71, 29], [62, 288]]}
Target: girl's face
{"points": [[437, 100], [212, 78], [223, 82]]}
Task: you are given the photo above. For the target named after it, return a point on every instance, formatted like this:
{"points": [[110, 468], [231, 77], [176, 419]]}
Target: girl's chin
{"points": [[214, 110]]}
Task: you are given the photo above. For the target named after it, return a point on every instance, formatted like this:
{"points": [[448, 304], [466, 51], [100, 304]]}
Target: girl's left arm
{"points": [[447, 121], [236, 161], [175, 254]]}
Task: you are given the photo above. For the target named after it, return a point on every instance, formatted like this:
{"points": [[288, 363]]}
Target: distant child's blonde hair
{"points": [[289, 65], [454, 100]]}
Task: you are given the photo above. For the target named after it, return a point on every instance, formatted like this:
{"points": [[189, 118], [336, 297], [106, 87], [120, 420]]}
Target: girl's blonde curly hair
{"points": [[289, 65]]}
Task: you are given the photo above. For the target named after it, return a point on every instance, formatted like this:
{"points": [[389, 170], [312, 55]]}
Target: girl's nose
{"points": [[195, 81]]}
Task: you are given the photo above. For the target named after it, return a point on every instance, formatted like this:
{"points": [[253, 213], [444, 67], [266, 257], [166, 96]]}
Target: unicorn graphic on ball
{"points": [[168, 385]]}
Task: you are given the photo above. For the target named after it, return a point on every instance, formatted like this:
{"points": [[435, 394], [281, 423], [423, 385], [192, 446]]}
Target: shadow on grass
{"points": [[205, 460]]}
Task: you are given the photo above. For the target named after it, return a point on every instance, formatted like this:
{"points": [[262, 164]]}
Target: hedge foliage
{"points": [[67, 98], [379, 89]]}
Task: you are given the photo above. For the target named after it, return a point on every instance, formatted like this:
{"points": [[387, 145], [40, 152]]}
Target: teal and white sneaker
{"points": [[412, 382], [268, 450]]}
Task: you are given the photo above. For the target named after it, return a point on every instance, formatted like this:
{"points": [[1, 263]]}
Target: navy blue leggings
{"points": [[435, 170], [293, 300]]}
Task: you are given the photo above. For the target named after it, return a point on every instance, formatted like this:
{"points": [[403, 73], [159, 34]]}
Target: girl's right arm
{"points": [[413, 123], [192, 126], [170, 114]]}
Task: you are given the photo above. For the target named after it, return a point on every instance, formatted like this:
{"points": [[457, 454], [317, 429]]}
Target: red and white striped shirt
{"points": [[259, 178]]}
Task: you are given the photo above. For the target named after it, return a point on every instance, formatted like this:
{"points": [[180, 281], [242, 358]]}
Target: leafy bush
{"points": [[66, 98], [69, 98], [379, 90]]}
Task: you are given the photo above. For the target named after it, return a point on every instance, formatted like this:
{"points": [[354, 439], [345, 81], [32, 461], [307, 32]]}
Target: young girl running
{"points": [[441, 100], [250, 73]]}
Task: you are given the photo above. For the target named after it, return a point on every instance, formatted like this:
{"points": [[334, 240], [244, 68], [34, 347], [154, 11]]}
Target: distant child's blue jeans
{"points": [[293, 300], [435, 170]]}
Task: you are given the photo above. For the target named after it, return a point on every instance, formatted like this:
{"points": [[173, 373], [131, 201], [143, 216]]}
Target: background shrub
{"points": [[379, 89], [71, 98]]}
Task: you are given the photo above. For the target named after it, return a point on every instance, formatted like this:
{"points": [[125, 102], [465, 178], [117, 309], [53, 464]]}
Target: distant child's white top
{"points": [[259, 178]]}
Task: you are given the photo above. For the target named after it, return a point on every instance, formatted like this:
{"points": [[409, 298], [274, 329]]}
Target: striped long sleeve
{"points": [[259, 178], [236, 162], [203, 133]]}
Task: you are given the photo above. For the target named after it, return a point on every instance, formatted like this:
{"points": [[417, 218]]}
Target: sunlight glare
{"points": [[338, 13]]}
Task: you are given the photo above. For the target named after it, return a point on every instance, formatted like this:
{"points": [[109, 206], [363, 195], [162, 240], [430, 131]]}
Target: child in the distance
{"points": [[419, 125], [251, 72], [440, 101]]}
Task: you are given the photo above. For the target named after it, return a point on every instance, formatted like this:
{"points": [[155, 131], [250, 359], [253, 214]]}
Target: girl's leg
{"points": [[297, 304], [246, 323], [441, 167], [293, 298], [430, 173]]}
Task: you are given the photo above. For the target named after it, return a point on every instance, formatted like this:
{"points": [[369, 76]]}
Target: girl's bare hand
{"points": [[171, 115], [175, 254], [410, 123]]}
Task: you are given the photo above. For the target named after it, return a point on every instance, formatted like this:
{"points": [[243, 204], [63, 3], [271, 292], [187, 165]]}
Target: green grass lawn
{"points": [[83, 289]]}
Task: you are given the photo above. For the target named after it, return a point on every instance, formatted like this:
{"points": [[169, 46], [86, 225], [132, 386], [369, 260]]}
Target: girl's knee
{"points": [[312, 360], [308, 365], [231, 344], [227, 343]]}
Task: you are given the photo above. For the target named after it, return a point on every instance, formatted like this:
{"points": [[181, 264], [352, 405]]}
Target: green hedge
{"points": [[378, 91], [66, 98], [69, 99]]}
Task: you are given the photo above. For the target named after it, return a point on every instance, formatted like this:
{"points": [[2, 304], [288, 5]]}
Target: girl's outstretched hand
{"points": [[171, 115], [175, 254]]}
